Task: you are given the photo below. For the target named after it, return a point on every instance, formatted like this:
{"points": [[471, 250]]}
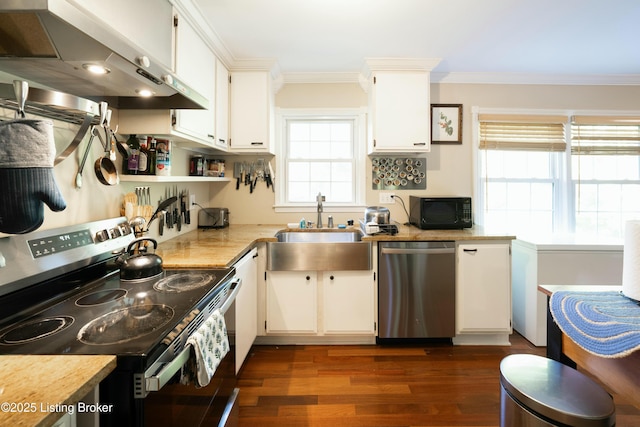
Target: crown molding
{"points": [[321, 77], [537, 79], [398, 64]]}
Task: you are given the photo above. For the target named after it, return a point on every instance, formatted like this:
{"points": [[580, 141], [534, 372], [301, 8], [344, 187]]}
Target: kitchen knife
{"points": [[168, 211], [176, 214], [187, 214], [237, 173]]}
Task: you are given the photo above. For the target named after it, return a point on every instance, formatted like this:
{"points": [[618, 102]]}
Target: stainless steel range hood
{"points": [[49, 43]]}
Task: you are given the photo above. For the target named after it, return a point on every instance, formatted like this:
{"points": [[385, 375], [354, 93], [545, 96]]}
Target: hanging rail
{"points": [[52, 105]]}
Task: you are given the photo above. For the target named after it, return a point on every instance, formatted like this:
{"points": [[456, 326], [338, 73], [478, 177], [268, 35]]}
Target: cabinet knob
{"points": [[143, 61], [308, 277], [331, 277]]}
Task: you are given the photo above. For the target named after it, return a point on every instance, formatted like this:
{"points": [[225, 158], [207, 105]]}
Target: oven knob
{"points": [[3, 261], [126, 229], [102, 235], [115, 232]]}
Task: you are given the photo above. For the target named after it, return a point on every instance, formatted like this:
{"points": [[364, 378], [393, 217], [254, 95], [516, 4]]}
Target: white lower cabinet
{"points": [[292, 304], [349, 302], [483, 290], [320, 303], [246, 325]]}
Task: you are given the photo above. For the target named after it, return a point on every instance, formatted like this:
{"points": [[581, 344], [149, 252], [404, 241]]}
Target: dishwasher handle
{"points": [[417, 251]]}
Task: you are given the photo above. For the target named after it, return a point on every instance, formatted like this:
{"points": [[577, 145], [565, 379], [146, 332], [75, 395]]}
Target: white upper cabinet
{"points": [[153, 33], [399, 104], [252, 109], [399, 112], [222, 106], [196, 65]]}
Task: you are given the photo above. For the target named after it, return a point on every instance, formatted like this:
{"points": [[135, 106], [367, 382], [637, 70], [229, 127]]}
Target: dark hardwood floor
{"points": [[409, 385]]}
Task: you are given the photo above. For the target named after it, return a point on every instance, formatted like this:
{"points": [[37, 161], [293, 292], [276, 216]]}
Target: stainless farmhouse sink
{"points": [[318, 236], [318, 251]]}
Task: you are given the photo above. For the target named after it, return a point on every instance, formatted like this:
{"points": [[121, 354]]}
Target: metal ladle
{"points": [[84, 158]]}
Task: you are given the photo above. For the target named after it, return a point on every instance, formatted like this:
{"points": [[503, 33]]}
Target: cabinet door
{"points": [[222, 106], [250, 111], [483, 291], [400, 112], [292, 304], [196, 65], [348, 302], [147, 24], [246, 306]]}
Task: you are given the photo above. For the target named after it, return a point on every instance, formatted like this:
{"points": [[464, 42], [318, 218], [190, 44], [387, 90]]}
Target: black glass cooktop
{"points": [[112, 316]]}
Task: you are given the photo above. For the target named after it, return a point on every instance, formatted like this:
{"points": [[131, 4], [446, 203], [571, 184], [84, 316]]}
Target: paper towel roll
{"points": [[631, 260]]}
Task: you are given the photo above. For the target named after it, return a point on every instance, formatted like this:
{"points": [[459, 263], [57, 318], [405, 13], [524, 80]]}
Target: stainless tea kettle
{"points": [[141, 265]]}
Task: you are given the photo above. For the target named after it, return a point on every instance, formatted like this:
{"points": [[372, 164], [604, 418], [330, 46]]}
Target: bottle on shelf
{"points": [[143, 157], [163, 157], [151, 141], [132, 160]]}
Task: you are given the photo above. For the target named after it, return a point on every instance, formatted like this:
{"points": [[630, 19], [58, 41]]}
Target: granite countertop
{"points": [[215, 248], [32, 385]]}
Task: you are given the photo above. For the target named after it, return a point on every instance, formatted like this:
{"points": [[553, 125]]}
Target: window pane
{"points": [[320, 159], [342, 171], [341, 132], [320, 132], [299, 171], [321, 171], [519, 190], [299, 191]]}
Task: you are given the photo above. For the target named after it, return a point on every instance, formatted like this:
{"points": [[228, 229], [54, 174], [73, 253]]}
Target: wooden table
{"points": [[621, 374]]}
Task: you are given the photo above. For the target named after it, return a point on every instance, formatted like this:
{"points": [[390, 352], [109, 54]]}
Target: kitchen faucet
{"points": [[319, 199]]}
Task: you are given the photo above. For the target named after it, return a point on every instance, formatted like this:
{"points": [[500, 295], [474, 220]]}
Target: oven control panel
{"points": [[50, 245]]}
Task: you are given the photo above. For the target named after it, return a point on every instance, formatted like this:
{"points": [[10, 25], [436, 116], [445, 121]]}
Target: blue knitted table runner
{"points": [[605, 323]]}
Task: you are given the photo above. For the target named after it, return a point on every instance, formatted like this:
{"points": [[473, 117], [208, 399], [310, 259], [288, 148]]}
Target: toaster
{"points": [[213, 218]]}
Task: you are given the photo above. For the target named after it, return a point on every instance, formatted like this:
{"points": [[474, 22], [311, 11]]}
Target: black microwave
{"points": [[433, 213]]}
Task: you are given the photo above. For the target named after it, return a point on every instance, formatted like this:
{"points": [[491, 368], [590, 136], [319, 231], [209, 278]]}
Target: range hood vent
{"points": [[53, 50]]}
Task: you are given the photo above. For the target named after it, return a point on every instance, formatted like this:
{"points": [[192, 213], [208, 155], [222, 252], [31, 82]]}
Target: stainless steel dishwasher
{"points": [[416, 290]]}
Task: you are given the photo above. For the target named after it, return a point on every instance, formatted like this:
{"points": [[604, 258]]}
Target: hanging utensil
{"points": [[21, 90], [84, 159], [110, 140], [104, 167]]}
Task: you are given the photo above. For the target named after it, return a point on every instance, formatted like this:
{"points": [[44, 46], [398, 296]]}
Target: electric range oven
{"points": [[61, 293]]}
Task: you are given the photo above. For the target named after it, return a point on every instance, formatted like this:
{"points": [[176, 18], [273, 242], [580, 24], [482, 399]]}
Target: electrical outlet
{"points": [[387, 198], [192, 199]]}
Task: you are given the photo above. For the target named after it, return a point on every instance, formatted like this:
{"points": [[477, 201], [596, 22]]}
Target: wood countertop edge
{"points": [[66, 393]]}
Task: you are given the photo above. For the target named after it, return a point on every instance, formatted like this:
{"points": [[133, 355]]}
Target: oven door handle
{"points": [[236, 284], [157, 381]]}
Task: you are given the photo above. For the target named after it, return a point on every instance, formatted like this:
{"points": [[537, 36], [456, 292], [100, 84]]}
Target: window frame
{"points": [[282, 117]]}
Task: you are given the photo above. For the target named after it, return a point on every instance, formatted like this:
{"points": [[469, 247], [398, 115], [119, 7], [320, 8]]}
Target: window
{"points": [[605, 165], [320, 153], [520, 171]]}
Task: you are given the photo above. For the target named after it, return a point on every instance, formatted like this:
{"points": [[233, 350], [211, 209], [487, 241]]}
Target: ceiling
{"points": [[536, 41]]}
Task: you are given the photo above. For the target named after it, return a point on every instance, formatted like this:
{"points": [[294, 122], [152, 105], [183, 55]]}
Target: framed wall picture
{"points": [[446, 123]]}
